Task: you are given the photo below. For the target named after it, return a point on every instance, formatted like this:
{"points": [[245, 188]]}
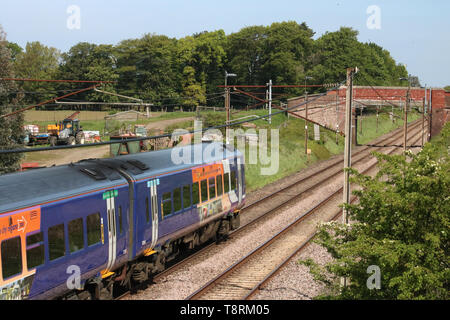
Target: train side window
{"points": [[226, 182], [167, 204], [76, 240], [120, 220], [204, 190], [177, 199], [219, 185], [233, 180], [212, 188], [56, 243], [195, 193], [186, 196], [35, 250], [11, 257], [147, 210], [94, 232]]}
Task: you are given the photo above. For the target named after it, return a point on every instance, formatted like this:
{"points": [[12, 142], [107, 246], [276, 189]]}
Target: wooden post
{"points": [[377, 118], [405, 124], [348, 140], [423, 120], [348, 147], [306, 122]]}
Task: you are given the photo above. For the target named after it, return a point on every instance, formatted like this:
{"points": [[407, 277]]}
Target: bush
{"points": [[402, 226]]}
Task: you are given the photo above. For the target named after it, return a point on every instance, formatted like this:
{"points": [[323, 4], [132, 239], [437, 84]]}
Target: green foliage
{"points": [[214, 119], [173, 72], [11, 132], [401, 225], [14, 49], [194, 93], [37, 62], [85, 61], [447, 88], [336, 51]]}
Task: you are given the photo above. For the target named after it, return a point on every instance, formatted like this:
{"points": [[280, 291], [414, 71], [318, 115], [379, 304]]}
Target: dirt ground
{"points": [[163, 124], [60, 157]]}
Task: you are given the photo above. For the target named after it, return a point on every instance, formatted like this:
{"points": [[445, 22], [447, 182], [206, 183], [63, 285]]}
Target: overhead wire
{"points": [[24, 150]]}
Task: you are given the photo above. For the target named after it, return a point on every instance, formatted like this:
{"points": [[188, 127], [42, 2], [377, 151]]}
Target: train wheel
{"points": [[224, 230], [236, 221]]}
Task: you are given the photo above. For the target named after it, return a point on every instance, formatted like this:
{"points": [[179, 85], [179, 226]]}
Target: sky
{"points": [[416, 33]]}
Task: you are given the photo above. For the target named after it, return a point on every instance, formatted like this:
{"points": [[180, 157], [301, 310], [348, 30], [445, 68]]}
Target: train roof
{"points": [[33, 187], [176, 159]]}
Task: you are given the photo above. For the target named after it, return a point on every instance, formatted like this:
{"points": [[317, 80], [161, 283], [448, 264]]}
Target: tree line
{"points": [[187, 72]]}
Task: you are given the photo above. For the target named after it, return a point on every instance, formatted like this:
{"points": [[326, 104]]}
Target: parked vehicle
{"points": [[69, 131]]}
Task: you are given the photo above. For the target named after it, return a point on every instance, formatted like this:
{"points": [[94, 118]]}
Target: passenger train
{"points": [[78, 231]]}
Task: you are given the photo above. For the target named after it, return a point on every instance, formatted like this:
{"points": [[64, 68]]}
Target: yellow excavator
{"points": [[69, 131]]}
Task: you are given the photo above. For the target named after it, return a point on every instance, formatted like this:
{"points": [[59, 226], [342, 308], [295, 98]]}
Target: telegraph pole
{"points": [[430, 113], [405, 124], [227, 103], [270, 101], [306, 122], [348, 139], [423, 118], [378, 108], [227, 108], [306, 116], [360, 119], [348, 147]]}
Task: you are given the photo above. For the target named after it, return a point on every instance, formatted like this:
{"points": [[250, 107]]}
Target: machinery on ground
{"points": [[68, 131], [33, 136]]}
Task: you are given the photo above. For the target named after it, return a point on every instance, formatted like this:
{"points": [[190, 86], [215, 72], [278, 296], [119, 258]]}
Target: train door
{"points": [[152, 185], [239, 174], [122, 213], [112, 229]]}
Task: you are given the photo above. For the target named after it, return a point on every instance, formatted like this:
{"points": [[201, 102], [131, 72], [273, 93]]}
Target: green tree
{"points": [[336, 51], [402, 226], [193, 93], [447, 88], [287, 47], [37, 62], [205, 52], [11, 131], [15, 50], [245, 51], [146, 68], [91, 62]]}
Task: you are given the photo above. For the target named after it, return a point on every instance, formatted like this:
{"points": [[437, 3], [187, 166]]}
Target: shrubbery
{"points": [[401, 225]]}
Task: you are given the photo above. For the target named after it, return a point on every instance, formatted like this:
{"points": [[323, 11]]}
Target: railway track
{"points": [[248, 219], [334, 167], [245, 277], [299, 187]]}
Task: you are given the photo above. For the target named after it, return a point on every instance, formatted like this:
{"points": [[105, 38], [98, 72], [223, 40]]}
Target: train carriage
{"points": [[74, 231]]}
